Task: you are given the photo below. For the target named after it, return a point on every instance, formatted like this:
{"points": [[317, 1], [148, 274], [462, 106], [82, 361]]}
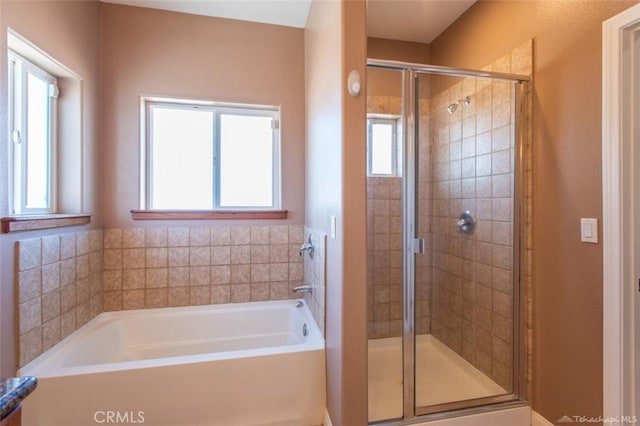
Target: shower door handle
{"points": [[418, 245]]}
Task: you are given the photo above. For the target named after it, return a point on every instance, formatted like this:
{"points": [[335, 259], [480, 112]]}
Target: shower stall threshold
{"points": [[441, 376]]}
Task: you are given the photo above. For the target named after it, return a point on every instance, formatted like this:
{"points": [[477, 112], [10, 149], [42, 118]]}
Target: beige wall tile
{"points": [[30, 315], [68, 323], [179, 277], [178, 296], [30, 345], [199, 256], [156, 237], [178, 237], [133, 237], [220, 275], [133, 258], [260, 253], [221, 255], [133, 279], [157, 277], [82, 266], [240, 274], [29, 254], [112, 280], [259, 292], [113, 238], [240, 293], [240, 254], [279, 234], [133, 299], [199, 237], [156, 257], [50, 277], [220, 294], [156, 297], [220, 236], [112, 300], [82, 243], [178, 256], [200, 295], [112, 259], [67, 246], [199, 275], [240, 235], [260, 234], [50, 249], [51, 333], [29, 284]]}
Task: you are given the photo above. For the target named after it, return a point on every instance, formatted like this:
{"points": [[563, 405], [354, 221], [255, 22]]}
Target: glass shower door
{"points": [[443, 242], [384, 243], [464, 286]]}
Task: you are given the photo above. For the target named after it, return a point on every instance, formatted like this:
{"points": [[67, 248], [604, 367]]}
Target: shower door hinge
{"points": [[418, 245]]}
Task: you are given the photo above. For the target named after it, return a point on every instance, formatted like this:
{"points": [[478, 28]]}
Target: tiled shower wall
{"points": [[160, 267], [384, 241], [59, 288], [473, 169], [315, 275], [66, 280]]}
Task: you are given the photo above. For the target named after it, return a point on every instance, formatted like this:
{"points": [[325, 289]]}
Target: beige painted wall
{"points": [[69, 32], [153, 52], [567, 180], [334, 44]]}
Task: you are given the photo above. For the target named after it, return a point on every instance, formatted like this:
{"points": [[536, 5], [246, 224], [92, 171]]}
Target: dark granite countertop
{"points": [[13, 391]]}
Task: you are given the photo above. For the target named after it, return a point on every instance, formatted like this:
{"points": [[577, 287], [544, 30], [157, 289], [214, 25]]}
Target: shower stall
{"points": [[444, 230]]}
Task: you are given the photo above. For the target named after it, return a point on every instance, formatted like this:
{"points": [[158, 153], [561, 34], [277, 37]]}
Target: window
{"points": [[384, 152], [210, 156], [32, 121]]}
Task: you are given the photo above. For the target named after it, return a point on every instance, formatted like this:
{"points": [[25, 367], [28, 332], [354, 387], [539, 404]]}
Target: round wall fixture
{"points": [[466, 222], [353, 83]]}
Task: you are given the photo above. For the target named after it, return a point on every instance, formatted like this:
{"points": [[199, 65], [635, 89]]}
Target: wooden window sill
{"points": [[33, 223], [207, 214]]}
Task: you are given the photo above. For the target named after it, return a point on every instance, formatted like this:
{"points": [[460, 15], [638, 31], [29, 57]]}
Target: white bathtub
{"points": [[235, 364]]}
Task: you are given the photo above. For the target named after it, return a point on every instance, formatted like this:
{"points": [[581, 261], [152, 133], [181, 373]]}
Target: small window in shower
{"points": [[384, 155]]}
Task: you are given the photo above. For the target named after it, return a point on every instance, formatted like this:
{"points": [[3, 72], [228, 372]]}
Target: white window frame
{"points": [[19, 67], [218, 108], [396, 147]]}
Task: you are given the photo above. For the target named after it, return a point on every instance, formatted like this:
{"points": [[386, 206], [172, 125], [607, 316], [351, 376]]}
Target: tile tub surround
{"points": [[59, 283], [161, 267], [315, 274]]}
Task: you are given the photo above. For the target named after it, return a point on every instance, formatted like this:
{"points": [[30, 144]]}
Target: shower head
{"points": [[454, 106]]}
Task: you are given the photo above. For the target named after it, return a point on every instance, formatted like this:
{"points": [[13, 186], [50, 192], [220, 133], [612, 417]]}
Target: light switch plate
{"points": [[589, 230], [333, 227]]}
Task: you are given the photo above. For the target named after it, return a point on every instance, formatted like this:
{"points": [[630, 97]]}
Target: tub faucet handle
{"points": [[308, 247]]}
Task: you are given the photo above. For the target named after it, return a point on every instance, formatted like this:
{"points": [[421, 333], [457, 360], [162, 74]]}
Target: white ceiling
{"points": [[291, 13], [411, 20]]}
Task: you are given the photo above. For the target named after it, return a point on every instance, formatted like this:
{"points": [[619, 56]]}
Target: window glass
{"points": [[382, 149], [246, 161], [37, 143], [202, 157], [32, 126], [384, 153], [182, 158]]}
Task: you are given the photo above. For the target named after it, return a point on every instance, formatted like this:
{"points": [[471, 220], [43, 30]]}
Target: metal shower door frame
{"points": [[413, 245]]}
